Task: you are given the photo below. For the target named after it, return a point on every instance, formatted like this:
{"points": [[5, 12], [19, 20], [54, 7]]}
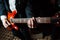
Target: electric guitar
{"points": [[55, 20]]}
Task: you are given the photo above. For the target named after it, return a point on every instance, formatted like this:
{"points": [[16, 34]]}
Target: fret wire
{"points": [[43, 20], [22, 20]]}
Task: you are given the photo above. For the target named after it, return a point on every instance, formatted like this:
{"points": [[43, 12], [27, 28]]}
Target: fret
{"points": [[43, 20], [20, 20]]}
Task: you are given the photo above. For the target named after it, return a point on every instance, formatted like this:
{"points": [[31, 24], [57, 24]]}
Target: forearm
{"points": [[12, 5]]}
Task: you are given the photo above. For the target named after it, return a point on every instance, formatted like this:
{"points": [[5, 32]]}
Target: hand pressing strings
{"points": [[32, 23]]}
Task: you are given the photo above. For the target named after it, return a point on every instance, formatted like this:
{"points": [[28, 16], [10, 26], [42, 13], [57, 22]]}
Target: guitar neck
{"points": [[24, 20]]}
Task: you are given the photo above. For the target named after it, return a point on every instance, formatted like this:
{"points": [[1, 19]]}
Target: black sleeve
{"points": [[2, 8]]}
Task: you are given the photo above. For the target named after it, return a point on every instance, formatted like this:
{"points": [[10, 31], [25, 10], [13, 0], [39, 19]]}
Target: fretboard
{"points": [[24, 20]]}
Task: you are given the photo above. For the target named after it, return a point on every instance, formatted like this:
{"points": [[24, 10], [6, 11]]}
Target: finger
{"points": [[5, 25], [32, 23], [8, 23], [33, 18], [28, 23]]}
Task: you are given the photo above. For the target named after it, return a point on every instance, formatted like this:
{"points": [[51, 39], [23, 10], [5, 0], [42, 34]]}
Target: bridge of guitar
{"points": [[12, 15]]}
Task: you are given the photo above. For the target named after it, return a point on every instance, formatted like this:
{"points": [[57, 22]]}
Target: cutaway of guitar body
{"points": [[12, 15]]}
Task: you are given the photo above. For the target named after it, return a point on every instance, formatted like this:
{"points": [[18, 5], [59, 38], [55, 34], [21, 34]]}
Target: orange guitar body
{"points": [[12, 15]]}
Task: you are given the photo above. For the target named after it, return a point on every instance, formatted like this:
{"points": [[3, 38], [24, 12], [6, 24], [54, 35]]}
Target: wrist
{"points": [[3, 17], [14, 11]]}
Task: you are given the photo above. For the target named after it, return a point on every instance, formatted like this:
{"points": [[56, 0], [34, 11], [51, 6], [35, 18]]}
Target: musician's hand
{"points": [[5, 22], [31, 22]]}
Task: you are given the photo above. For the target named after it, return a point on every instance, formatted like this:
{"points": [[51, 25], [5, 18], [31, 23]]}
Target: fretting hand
{"points": [[32, 23]]}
